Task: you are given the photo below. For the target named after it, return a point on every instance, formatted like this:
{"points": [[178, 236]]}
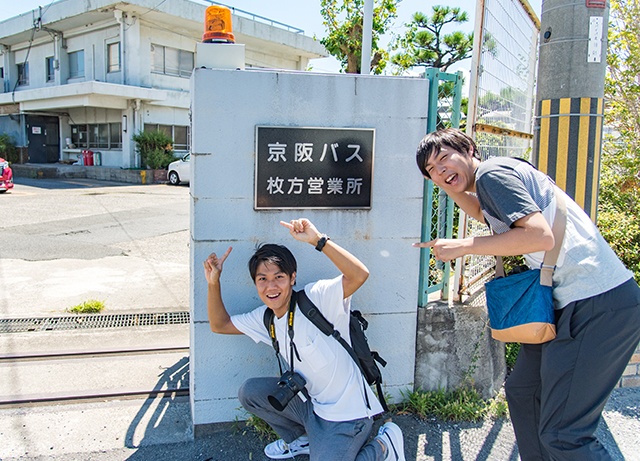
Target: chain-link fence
{"points": [[501, 104]]}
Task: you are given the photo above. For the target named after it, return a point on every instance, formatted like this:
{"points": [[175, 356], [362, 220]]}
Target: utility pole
{"points": [[570, 96], [367, 35]]}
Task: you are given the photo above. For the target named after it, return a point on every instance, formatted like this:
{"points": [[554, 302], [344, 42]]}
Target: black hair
{"points": [[272, 253], [432, 143]]}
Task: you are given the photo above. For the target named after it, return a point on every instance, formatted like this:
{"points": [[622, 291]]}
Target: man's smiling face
{"points": [[452, 171], [274, 287]]}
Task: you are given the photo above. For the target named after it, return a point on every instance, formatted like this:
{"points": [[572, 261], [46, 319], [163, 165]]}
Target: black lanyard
{"points": [[274, 340]]}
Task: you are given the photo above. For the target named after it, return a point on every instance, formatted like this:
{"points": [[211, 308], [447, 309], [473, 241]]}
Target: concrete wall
{"points": [[226, 107]]}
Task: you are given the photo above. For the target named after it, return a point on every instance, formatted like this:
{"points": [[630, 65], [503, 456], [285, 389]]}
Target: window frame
{"points": [[76, 58], [170, 130], [50, 69], [112, 66], [184, 61], [23, 73], [103, 136]]}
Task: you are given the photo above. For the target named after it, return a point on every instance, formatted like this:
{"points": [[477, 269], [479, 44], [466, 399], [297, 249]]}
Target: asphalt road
{"points": [[65, 241]]}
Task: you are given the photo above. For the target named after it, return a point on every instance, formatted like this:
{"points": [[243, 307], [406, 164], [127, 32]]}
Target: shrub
{"points": [[619, 199], [155, 148], [8, 149], [511, 354]]}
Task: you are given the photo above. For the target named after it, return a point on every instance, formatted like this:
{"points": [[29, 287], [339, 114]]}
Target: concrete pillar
{"points": [[223, 213], [454, 348]]}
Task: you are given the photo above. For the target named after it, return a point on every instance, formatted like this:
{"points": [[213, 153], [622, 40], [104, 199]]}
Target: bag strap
{"points": [[315, 316], [551, 256], [559, 225]]}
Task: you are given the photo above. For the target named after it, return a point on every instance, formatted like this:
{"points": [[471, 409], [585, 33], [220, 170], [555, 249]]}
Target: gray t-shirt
{"points": [[509, 189]]}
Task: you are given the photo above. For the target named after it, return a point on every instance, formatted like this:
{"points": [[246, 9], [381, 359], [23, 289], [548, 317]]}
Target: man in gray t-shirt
{"points": [[557, 390]]}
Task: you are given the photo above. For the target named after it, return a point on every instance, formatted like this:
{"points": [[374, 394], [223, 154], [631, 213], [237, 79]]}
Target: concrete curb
{"points": [[100, 173]]}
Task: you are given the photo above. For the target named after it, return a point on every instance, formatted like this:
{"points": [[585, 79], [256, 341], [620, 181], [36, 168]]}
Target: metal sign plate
{"points": [[322, 168]]}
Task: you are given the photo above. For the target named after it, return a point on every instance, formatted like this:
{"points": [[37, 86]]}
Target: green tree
{"points": [[343, 20], [619, 193], [425, 42]]}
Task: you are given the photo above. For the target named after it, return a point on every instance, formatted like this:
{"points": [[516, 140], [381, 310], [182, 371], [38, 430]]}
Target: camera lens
{"points": [[288, 386], [281, 398]]}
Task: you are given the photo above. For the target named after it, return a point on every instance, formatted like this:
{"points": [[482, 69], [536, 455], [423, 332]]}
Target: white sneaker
{"points": [[281, 450], [391, 436]]}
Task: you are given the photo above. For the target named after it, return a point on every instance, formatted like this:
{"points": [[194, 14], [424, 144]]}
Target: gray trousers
{"points": [[557, 390], [344, 441]]}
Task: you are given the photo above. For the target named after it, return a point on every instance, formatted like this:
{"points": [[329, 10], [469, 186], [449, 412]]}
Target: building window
{"points": [[79, 136], [23, 73], [76, 64], [115, 135], [51, 71], [113, 57], [97, 136], [180, 135], [171, 61]]}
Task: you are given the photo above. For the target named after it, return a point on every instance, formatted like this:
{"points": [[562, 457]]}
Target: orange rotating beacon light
{"points": [[217, 25]]}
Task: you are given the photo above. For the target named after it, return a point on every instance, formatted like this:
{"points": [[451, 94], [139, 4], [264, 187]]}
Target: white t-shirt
{"points": [[334, 382]]}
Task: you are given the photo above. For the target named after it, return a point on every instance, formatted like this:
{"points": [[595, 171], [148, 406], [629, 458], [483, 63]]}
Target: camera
{"points": [[288, 386]]}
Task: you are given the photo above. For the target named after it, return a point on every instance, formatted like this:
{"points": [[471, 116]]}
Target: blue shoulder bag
{"points": [[520, 306]]}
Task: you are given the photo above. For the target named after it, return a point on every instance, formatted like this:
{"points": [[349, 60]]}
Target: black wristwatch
{"points": [[322, 242]]}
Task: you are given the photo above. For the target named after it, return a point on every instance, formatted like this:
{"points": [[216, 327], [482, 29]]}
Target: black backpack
{"points": [[359, 349]]}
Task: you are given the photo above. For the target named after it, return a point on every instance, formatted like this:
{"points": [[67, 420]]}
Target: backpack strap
{"points": [[314, 315]]}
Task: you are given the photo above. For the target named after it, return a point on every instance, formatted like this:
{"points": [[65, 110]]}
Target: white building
{"points": [[89, 75]]}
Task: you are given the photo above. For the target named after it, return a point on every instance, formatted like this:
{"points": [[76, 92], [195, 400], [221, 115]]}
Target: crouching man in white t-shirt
{"points": [[325, 408]]}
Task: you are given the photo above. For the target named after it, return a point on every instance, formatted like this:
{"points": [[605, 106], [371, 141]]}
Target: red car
{"points": [[6, 176]]}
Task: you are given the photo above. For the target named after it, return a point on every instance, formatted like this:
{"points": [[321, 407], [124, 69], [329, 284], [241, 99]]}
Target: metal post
{"points": [[367, 37], [569, 102]]}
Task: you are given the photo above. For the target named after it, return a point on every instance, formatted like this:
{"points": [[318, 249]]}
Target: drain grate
{"points": [[87, 321]]}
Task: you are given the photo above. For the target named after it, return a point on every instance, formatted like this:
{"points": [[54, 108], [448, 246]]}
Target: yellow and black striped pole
{"points": [[570, 104], [569, 144]]}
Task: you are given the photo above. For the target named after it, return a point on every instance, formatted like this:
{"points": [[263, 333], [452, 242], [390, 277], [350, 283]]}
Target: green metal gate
{"points": [[445, 97]]}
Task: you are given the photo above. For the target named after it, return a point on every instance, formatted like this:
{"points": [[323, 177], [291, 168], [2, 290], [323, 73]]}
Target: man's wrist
{"points": [[322, 241]]}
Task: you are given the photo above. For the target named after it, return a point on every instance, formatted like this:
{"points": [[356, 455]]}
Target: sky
{"points": [[303, 14]]}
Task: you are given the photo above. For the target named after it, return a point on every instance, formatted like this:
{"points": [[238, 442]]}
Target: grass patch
{"points": [[256, 425], [464, 404], [261, 428], [92, 306]]}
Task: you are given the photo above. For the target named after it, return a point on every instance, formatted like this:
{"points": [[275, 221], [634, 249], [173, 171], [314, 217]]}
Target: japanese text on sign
{"points": [[313, 167]]}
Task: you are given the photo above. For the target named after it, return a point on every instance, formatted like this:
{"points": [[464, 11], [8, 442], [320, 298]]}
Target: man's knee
{"points": [[247, 391], [253, 389], [572, 447], [555, 445]]}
